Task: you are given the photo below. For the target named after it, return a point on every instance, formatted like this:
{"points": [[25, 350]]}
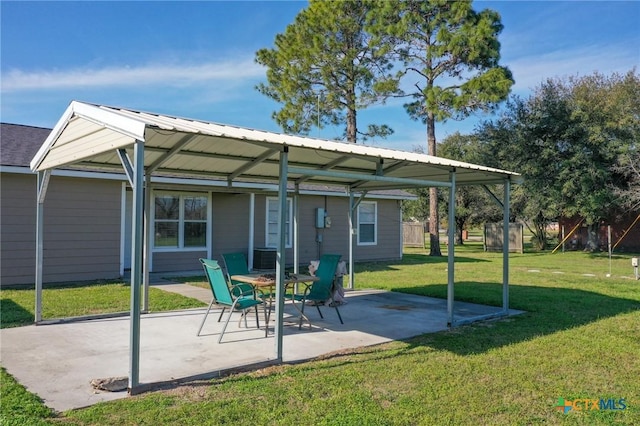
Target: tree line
{"points": [[575, 141], [339, 57]]}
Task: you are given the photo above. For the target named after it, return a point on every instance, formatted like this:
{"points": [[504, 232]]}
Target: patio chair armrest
{"points": [[307, 288], [259, 293], [238, 290]]}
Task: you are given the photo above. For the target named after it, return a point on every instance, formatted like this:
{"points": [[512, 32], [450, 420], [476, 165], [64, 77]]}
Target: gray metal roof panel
{"points": [[180, 146]]}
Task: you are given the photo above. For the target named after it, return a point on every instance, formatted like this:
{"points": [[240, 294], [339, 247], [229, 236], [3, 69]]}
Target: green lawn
{"points": [[59, 301], [579, 339]]}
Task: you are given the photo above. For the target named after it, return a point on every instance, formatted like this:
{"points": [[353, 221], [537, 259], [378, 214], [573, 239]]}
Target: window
{"points": [[367, 220], [180, 221], [271, 238]]}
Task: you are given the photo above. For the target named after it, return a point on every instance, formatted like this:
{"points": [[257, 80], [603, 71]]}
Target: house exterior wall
{"points": [[230, 227], [83, 218], [335, 239], [81, 229], [177, 261], [87, 215], [17, 228]]}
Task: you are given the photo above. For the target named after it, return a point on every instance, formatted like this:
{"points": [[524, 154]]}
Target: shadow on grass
{"points": [[67, 285], [412, 259], [547, 311], [14, 315]]}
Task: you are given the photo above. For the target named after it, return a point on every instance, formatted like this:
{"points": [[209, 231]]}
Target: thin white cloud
{"points": [[530, 71], [172, 75]]}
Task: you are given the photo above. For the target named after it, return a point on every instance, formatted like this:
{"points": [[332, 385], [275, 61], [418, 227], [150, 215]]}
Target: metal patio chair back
{"points": [[236, 264], [322, 291], [226, 296]]}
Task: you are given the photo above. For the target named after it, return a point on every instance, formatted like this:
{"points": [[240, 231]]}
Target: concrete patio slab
{"points": [[58, 361]]}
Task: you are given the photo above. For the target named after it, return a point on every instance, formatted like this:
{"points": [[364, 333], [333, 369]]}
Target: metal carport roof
{"points": [[89, 135], [100, 137]]}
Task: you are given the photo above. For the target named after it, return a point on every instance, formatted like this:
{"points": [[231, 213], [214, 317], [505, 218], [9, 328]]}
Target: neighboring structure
{"points": [[88, 229], [625, 232]]}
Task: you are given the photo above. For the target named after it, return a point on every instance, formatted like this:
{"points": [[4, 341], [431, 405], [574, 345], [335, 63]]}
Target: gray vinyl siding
{"points": [[230, 228], [335, 239], [17, 230], [389, 229], [81, 229], [83, 226], [259, 230], [173, 261]]}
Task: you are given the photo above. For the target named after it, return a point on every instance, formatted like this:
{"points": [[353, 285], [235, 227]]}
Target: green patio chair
{"points": [[224, 295], [236, 264], [321, 291]]}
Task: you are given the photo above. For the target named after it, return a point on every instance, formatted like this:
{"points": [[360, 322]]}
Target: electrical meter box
{"points": [[320, 214], [634, 262], [322, 219]]}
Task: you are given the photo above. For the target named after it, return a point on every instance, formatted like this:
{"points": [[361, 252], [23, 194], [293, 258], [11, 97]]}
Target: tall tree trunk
{"points": [[434, 220], [539, 238], [351, 126], [459, 231]]}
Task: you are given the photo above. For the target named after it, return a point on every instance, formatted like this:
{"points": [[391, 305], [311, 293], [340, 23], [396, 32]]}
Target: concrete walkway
{"points": [[202, 294], [58, 361]]}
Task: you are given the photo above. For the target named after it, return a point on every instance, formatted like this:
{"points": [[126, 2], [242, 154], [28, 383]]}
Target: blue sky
{"points": [[196, 59]]}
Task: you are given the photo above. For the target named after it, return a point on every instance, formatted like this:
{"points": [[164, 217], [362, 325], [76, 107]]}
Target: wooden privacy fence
{"points": [[493, 237], [413, 234]]}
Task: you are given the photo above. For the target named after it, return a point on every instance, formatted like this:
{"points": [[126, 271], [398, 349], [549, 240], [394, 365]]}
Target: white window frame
{"points": [[181, 221], [289, 225], [374, 223]]}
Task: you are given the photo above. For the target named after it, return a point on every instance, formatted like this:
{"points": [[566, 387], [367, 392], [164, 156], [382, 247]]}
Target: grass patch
{"points": [[580, 338], [19, 407], [60, 301]]}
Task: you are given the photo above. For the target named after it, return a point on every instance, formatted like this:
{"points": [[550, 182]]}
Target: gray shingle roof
{"points": [[19, 143]]}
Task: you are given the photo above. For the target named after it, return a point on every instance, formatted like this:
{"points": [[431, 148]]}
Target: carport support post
{"points": [[296, 231], [505, 246], [280, 261], [351, 237], [136, 266], [450, 248], [43, 183], [147, 240]]}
